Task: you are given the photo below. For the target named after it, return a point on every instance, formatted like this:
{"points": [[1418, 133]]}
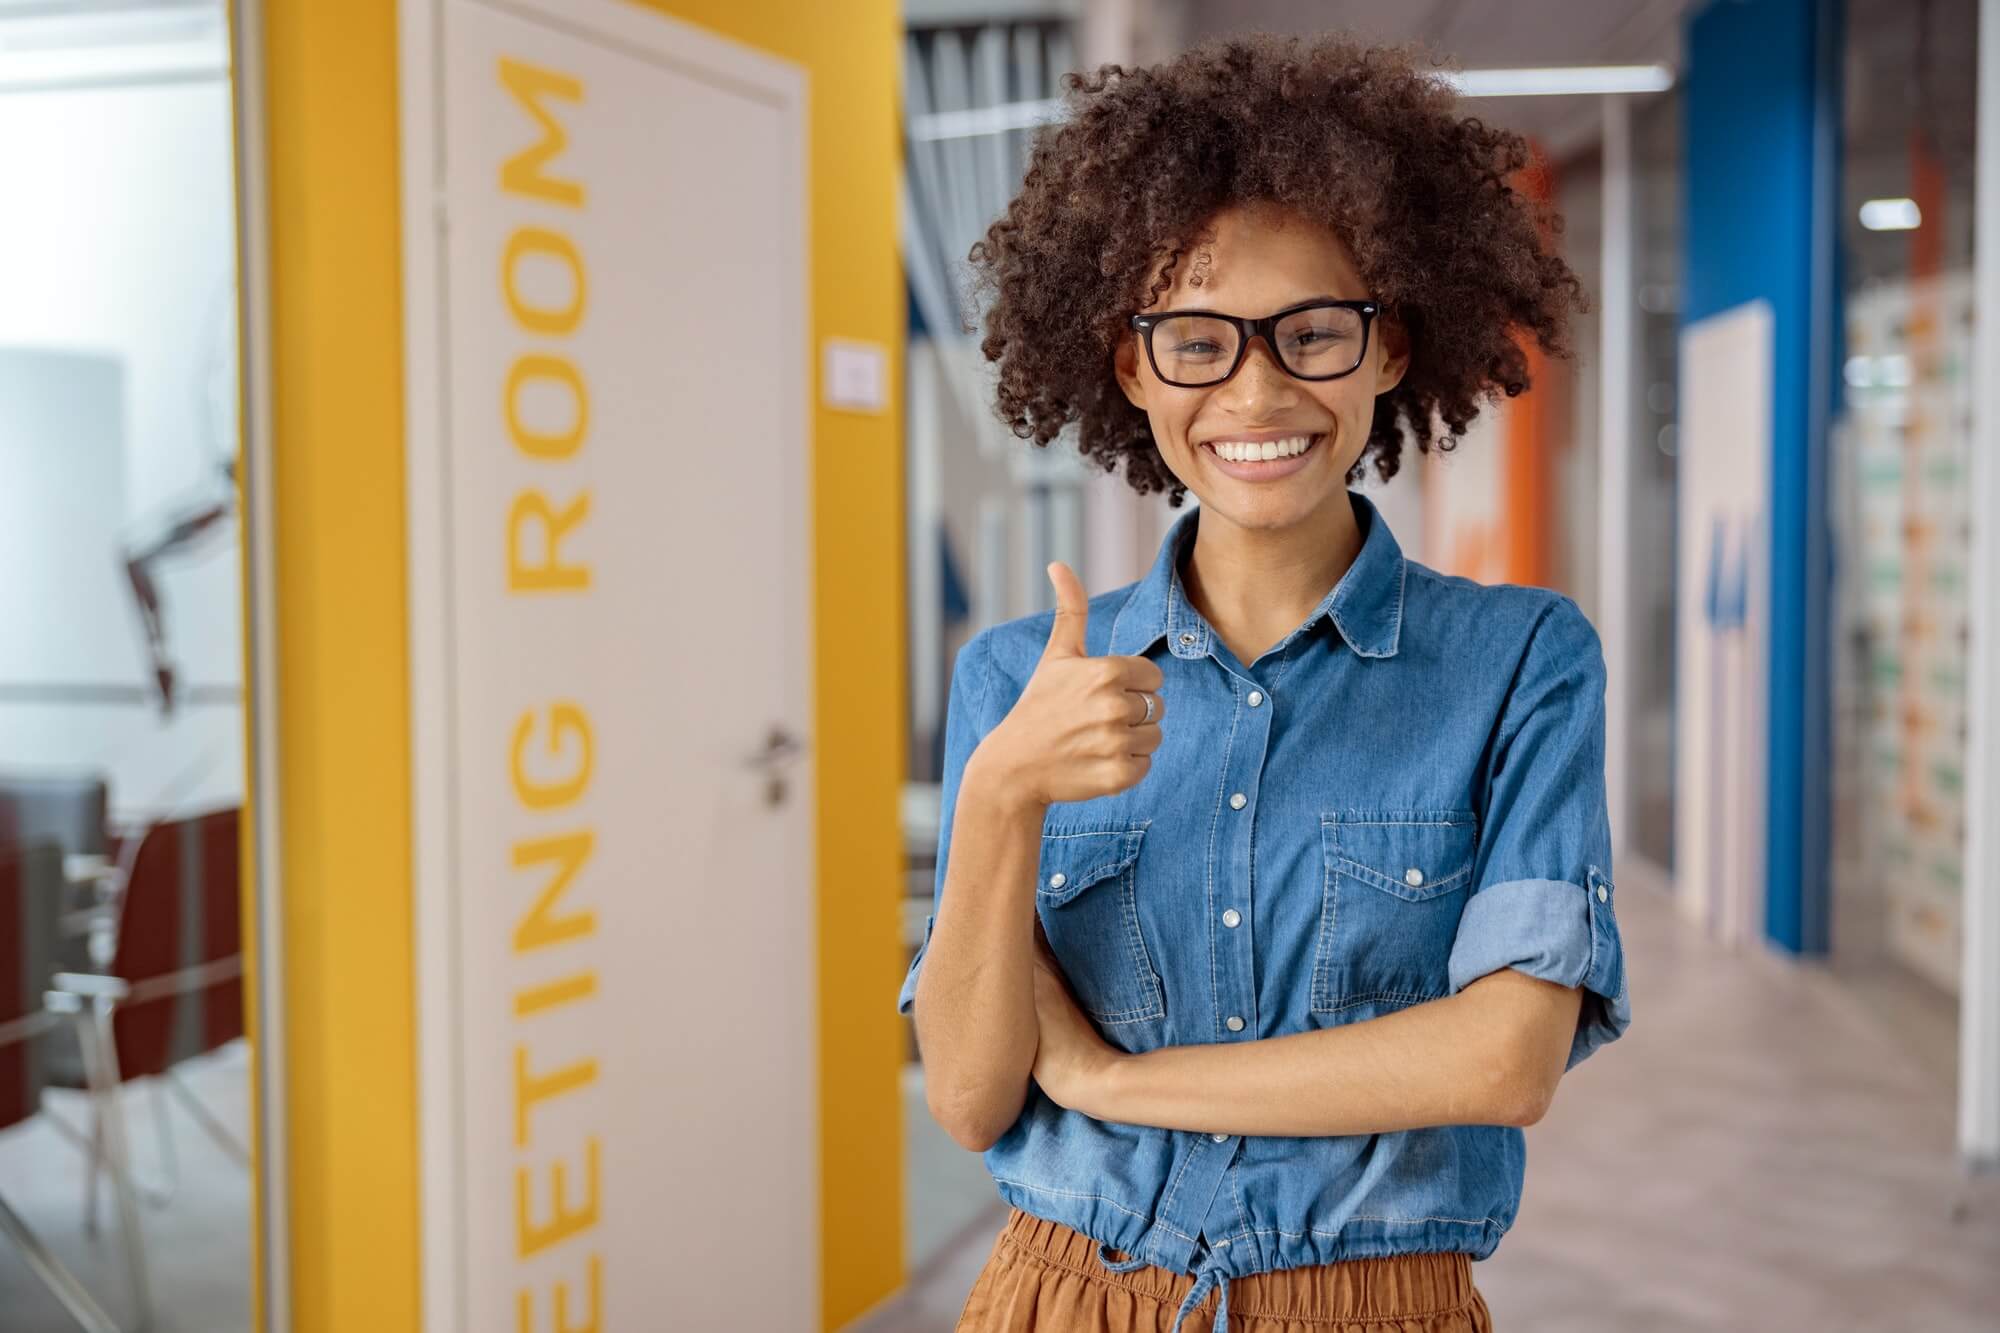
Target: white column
{"points": [[1979, 991], [1618, 334], [925, 511]]}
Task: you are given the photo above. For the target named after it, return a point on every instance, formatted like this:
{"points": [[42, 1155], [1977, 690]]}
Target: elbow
{"points": [[1527, 1101], [1518, 1086], [1525, 1053], [1528, 1087], [972, 1126]]}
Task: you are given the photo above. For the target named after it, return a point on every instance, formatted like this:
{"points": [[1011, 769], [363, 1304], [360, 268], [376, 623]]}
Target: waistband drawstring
{"points": [[1209, 1275]]}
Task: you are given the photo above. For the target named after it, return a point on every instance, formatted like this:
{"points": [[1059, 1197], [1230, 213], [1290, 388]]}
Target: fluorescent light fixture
{"points": [[1891, 215], [985, 120], [49, 47], [1554, 81], [1560, 81]]}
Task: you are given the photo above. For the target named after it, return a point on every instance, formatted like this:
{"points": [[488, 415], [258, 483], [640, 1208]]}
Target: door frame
{"points": [[263, 838]]}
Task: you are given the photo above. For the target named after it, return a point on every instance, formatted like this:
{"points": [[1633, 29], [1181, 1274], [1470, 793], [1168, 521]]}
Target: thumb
{"points": [[1072, 613]]}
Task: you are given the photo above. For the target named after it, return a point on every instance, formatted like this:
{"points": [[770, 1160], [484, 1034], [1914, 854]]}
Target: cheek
{"points": [[1354, 405], [1171, 413]]}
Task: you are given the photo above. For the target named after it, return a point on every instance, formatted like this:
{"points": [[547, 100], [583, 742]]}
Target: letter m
{"points": [[524, 172]]}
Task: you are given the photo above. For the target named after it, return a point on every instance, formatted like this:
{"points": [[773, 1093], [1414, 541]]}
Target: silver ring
{"points": [[1149, 709]]}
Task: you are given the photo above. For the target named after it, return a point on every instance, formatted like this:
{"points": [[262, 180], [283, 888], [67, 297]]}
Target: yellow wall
{"points": [[330, 76]]}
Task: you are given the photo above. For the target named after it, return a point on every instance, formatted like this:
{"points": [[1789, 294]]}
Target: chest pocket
{"points": [[1088, 901], [1395, 886]]}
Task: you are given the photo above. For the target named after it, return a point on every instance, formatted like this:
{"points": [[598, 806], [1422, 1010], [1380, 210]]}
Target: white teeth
{"points": [[1238, 451]]}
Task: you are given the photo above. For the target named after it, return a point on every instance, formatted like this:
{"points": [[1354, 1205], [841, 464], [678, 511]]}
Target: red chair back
{"points": [[181, 910], [30, 889], [220, 875]]}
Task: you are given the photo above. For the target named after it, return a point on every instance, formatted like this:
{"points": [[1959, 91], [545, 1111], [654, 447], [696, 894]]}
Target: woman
{"points": [[1247, 999]]}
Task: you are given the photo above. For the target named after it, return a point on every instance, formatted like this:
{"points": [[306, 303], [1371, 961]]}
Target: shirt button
{"points": [[1232, 918], [1187, 640], [1413, 877], [1602, 893], [1058, 879], [1256, 697], [1233, 1023], [1238, 801], [1220, 1138]]}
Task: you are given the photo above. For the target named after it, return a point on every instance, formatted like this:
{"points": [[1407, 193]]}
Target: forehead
{"points": [[1258, 256]]}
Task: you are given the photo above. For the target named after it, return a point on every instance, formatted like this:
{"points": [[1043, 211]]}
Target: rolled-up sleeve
{"points": [[965, 725], [1543, 900]]}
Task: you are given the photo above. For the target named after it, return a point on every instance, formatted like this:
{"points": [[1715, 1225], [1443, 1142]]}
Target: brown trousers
{"points": [[1045, 1277]]}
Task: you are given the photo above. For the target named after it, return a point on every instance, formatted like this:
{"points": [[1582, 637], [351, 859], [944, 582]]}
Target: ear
{"points": [[1392, 351], [1125, 364]]}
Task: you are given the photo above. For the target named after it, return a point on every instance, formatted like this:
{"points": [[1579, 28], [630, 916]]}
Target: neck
{"points": [[1255, 585]]}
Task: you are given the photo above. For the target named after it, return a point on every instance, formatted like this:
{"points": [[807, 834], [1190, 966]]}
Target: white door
{"points": [[611, 637]]}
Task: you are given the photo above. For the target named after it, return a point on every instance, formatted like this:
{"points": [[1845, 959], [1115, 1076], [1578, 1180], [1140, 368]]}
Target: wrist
{"points": [[990, 781], [1109, 1082]]}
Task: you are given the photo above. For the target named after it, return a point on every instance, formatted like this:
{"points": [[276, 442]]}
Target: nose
{"points": [[1260, 379]]}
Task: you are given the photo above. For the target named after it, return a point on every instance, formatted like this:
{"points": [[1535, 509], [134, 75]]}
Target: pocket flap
{"points": [[1413, 856], [1075, 859]]}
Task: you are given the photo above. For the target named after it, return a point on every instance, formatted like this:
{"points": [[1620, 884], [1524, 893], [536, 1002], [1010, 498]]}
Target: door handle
{"points": [[781, 749]]}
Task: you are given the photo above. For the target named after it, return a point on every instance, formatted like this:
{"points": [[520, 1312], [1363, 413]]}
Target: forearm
{"points": [[1489, 1055], [974, 1009]]}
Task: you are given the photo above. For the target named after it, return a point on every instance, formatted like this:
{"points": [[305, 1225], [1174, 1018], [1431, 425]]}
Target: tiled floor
{"points": [[197, 1245], [1769, 1148]]}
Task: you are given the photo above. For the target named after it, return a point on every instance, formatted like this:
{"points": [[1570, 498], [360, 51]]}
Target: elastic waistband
{"points": [[1400, 1286]]}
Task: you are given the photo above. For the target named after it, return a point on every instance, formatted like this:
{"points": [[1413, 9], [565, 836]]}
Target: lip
{"points": [[1262, 469]]}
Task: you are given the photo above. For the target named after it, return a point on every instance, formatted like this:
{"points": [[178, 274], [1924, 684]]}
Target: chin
{"points": [[1281, 508]]}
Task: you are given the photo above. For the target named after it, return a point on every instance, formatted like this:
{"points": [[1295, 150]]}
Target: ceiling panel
{"points": [[1480, 34]]}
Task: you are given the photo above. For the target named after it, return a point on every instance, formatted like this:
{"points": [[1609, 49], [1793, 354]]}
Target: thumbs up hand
{"points": [[1082, 727]]}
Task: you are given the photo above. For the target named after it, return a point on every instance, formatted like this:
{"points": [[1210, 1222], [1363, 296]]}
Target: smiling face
{"points": [[1256, 260]]}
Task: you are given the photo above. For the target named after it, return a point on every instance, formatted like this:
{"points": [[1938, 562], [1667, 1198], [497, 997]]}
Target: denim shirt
{"points": [[1402, 795]]}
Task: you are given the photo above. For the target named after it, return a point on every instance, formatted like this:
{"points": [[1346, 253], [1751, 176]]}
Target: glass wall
{"points": [[1656, 206], [122, 693], [1900, 488]]}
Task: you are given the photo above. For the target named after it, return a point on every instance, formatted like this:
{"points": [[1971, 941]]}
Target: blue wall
{"points": [[1761, 107]]}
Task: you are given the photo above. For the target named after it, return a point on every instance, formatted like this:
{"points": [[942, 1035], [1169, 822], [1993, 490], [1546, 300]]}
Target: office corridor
{"points": [[1769, 1147]]}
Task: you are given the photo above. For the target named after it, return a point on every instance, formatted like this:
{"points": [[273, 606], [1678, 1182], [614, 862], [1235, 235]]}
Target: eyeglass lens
{"points": [[1200, 349]]}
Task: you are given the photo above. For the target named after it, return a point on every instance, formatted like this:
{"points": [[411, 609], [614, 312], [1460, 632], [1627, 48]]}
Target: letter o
{"points": [[540, 319], [546, 444]]}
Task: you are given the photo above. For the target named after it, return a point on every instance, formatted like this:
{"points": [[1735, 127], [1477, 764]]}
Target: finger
{"points": [[1143, 740], [1072, 613], [1141, 714], [1126, 771], [1138, 673]]}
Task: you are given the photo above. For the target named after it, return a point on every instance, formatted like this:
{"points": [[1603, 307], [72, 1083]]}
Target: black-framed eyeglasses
{"points": [[1314, 340]]}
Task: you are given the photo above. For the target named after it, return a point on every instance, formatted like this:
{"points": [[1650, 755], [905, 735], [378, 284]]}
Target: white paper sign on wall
{"points": [[856, 375]]}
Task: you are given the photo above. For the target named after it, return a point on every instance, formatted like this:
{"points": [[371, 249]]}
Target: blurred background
{"points": [[446, 440]]}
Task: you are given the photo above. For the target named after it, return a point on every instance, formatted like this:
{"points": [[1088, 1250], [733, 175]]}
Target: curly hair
{"points": [[1351, 135]]}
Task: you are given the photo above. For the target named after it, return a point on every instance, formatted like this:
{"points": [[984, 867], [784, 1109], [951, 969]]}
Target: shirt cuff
{"points": [[1558, 931], [908, 995]]}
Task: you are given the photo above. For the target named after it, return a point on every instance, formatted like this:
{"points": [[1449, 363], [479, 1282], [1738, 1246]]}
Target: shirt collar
{"points": [[1365, 606]]}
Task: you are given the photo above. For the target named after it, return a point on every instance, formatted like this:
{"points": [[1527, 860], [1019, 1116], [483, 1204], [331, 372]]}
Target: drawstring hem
{"points": [[1210, 1275]]}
